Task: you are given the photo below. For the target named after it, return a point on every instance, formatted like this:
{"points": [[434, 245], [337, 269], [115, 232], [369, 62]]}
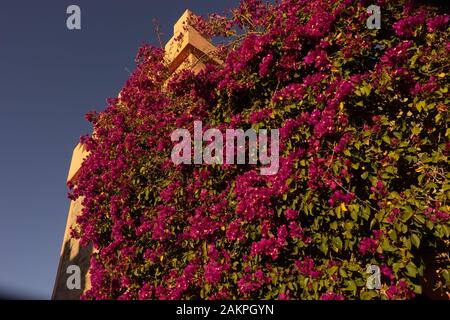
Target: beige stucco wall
{"points": [[72, 254]]}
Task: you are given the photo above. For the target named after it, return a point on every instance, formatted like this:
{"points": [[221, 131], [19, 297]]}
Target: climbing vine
{"points": [[363, 179]]}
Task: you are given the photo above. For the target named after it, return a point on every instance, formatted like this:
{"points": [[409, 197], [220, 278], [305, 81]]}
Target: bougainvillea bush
{"points": [[363, 179]]}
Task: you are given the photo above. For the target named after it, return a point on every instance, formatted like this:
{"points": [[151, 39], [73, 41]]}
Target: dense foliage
{"points": [[363, 180]]}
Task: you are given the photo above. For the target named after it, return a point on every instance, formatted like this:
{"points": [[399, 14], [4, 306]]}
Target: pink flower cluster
{"points": [[399, 291], [307, 268], [367, 246], [251, 282]]}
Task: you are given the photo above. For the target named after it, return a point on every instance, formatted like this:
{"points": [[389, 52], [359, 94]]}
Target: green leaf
{"points": [[332, 270], [446, 230], [411, 270], [342, 273], [324, 247], [419, 106], [368, 295], [367, 89], [353, 267], [417, 289], [386, 139], [351, 286], [407, 214], [290, 286], [419, 218], [386, 246], [337, 244], [446, 276], [393, 235], [416, 129], [415, 240]]}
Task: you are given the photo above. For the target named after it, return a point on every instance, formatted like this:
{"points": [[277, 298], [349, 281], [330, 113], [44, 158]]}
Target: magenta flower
{"points": [[367, 246], [330, 295], [307, 268], [386, 271], [291, 214], [399, 291], [437, 22], [265, 64]]}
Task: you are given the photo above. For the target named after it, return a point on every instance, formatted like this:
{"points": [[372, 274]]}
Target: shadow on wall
{"points": [[81, 259], [436, 261]]}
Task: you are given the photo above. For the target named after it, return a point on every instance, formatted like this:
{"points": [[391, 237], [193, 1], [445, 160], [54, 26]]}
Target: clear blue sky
{"points": [[49, 78]]}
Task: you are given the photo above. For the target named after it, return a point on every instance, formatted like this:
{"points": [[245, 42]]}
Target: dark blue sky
{"points": [[49, 78]]}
